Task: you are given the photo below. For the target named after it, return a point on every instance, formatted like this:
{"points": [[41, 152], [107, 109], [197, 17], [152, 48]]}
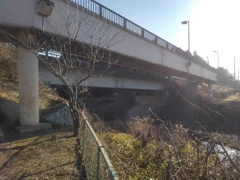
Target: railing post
{"points": [[83, 134], [125, 23], [100, 9], [97, 163]]}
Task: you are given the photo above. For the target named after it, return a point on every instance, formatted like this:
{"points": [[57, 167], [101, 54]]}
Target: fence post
{"points": [[125, 23], [97, 162], [83, 134]]}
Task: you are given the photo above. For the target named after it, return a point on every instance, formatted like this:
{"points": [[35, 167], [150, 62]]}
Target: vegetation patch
{"points": [[155, 151]]}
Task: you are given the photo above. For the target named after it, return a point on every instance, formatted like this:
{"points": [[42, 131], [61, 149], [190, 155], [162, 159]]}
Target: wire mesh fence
{"points": [[97, 163]]}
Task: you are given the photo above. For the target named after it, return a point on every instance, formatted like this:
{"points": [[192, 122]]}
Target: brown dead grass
{"points": [[232, 98], [40, 157], [48, 98], [221, 94], [8, 68], [9, 82]]}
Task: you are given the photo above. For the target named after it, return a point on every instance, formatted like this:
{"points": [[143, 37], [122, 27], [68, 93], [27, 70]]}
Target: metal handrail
{"points": [[116, 18], [100, 169]]}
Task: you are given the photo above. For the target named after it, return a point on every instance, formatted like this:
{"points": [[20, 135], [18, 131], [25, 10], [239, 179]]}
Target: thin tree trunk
{"points": [[73, 107]]}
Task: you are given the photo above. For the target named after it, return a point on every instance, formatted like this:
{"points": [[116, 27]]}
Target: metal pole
{"points": [[188, 22], [188, 36], [217, 58], [83, 134], [238, 80], [234, 80], [97, 163], [238, 74]]}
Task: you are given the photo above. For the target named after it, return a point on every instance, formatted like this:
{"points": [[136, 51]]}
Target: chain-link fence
{"points": [[97, 163]]}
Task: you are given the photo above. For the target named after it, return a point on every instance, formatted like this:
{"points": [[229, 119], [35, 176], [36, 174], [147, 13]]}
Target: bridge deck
{"points": [[135, 46]]}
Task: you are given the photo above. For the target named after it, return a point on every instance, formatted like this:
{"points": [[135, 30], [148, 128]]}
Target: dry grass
{"points": [[154, 151], [8, 74], [8, 68], [221, 93], [48, 98], [9, 82], [232, 98], [9, 95], [40, 157]]}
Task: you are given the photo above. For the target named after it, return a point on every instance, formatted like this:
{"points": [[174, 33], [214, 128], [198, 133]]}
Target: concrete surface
{"points": [[32, 128]]}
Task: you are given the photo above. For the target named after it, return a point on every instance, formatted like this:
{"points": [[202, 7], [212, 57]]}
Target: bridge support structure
{"points": [[28, 87], [210, 91]]}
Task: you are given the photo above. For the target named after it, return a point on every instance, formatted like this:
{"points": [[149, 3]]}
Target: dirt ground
{"points": [[48, 154]]}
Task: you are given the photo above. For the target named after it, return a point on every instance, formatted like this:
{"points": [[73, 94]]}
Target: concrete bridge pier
{"points": [[28, 91], [210, 91], [28, 87]]}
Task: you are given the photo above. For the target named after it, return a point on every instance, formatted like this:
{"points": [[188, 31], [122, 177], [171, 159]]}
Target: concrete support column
{"points": [[210, 91], [28, 87]]}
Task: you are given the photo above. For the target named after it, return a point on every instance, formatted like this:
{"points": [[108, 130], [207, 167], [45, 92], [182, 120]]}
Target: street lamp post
{"points": [[188, 23], [217, 58]]}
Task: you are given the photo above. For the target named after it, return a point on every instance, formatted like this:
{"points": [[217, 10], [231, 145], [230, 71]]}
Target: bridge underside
{"points": [[107, 79], [115, 62]]}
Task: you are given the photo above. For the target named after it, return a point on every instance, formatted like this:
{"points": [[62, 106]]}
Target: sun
{"points": [[215, 26]]}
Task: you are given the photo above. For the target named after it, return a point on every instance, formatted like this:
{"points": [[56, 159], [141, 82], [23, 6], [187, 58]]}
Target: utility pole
{"points": [[238, 74], [234, 80], [238, 81], [217, 58], [188, 23]]}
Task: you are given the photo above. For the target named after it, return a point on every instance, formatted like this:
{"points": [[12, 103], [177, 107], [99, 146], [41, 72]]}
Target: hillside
{"points": [[48, 154], [9, 83]]}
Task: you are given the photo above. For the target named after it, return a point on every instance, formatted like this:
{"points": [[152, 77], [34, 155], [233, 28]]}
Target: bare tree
{"points": [[72, 42]]}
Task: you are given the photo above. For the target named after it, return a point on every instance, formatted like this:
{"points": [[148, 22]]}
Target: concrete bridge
{"points": [[139, 58]]}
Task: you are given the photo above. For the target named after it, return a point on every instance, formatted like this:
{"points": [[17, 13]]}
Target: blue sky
{"points": [[161, 17], [214, 25]]}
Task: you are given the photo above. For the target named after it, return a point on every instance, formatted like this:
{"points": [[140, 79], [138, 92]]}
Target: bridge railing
{"points": [[121, 21], [96, 161], [114, 17]]}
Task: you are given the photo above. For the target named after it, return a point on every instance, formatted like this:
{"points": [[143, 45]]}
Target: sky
{"points": [[214, 25]]}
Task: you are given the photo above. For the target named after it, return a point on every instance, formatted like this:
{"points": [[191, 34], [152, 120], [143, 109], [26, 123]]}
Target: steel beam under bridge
{"points": [[109, 80]]}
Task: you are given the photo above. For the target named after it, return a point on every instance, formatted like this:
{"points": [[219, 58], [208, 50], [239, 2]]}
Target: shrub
{"points": [[177, 156]]}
